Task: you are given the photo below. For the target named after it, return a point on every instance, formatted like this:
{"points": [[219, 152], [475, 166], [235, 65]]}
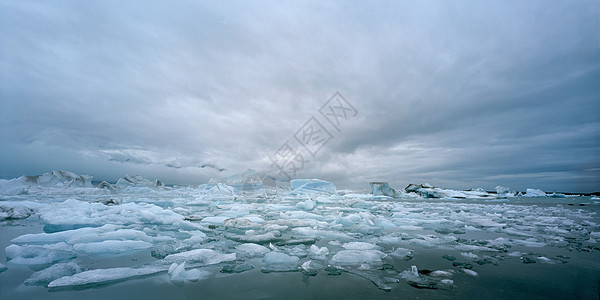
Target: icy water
{"points": [[87, 243]]}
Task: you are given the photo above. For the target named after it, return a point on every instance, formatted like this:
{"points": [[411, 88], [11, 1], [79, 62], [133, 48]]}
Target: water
{"points": [[558, 233]]}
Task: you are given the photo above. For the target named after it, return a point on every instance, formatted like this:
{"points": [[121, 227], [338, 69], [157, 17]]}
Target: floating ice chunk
{"points": [[315, 252], [531, 242], [178, 274], [534, 193], [240, 223], [545, 260], [74, 236], [35, 255], [440, 273], [201, 256], [215, 220], [428, 191], [329, 234], [470, 272], [251, 249], [298, 250], [54, 272], [121, 235], [515, 254], [256, 238], [14, 212], [422, 243], [136, 180], [357, 257], [106, 186], [502, 190], [279, 262], [221, 190], [402, 253], [446, 283], [306, 205], [237, 268], [312, 186], [76, 213], [248, 180], [306, 265], [360, 246], [103, 276], [15, 191], [383, 189], [485, 222], [469, 255], [111, 247]]}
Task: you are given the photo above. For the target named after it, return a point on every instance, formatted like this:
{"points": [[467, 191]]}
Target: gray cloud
{"points": [[461, 94]]}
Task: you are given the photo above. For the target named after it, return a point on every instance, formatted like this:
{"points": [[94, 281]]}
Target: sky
{"points": [[458, 94]]}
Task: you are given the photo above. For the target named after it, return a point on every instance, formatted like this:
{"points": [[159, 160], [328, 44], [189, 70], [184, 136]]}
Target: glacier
{"points": [[85, 236]]}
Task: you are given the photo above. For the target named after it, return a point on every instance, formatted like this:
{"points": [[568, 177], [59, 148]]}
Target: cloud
{"points": [[457, 94]]}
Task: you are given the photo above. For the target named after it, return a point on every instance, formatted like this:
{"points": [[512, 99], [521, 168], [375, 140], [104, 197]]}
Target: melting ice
{"points": [[239, 224]]}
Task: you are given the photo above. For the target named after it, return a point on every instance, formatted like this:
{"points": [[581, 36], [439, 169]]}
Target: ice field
{"points": [[63, 237]]}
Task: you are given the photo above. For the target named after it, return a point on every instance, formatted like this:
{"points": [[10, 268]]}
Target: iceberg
{"points": [[312, 186], [428, 191], [54, 179], [248, 180], [137, 180], [383, 189], [534, 193]]}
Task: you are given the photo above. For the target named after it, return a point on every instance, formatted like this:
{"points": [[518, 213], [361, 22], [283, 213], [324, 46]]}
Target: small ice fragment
{"points": [[2, 268], [440, 273], [545, 260], [315, 252], [446, 283], [306, 265], [470, 272], [402, 253], [178, 275], [364, 267]]}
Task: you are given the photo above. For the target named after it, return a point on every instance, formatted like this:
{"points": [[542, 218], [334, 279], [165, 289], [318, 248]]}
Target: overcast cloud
{"points": [[460, 94]]}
